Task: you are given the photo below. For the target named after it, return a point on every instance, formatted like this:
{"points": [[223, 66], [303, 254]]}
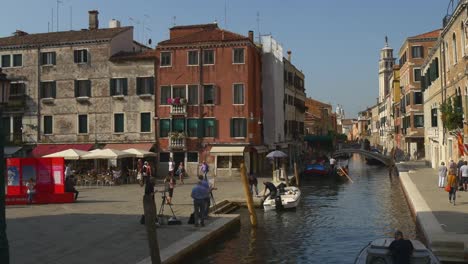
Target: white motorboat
{"points": [[377, 252], [290, 198]]}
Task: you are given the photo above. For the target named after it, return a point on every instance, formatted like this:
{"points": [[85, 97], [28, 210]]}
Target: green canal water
{"points": [[333, 222]]}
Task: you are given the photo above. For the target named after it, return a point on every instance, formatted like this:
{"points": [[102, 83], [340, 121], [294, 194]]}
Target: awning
{"points": [[11, 150], [46, 149], [228, 150], [120, 146], [260, 149]]}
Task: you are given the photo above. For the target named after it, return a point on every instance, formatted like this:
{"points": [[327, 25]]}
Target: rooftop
{"points": [[431, 34]]}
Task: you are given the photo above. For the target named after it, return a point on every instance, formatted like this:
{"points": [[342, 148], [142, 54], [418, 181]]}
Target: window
{"points": [[417, 75], [418, 98], [407, 99], [178, 125], [238, 93], [434, 117], [164, 127], [208, 57], [164, 157], [17, 60], [118, 123], [48, 58], [82, 88], [222, 162], [118, 86], [192, 156], [165, 94], [192, 57], [209, 127], [179, 91], [48, 125], [145, 122], [17, 89], [82, 124], [238, 127], [80, 56], [192, 127], [208, 94], [238, 56], [454, 45], [48, 89], [166, 59], [193, 94], [403, 59], [145, 85], [417, 52], [6, 61], [236, 161], [418, 121]]}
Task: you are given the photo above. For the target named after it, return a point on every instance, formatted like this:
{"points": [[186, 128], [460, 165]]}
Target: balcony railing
{"points": [[177, 143], [179, 109]]}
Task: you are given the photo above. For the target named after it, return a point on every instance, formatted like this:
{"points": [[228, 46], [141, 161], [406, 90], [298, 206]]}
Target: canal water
{"points": [[333, 222]]}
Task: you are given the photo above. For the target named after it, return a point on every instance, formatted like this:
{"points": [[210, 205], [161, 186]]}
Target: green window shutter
{"points": [[139, 82], [54, 90], [200, 128], [232, 126], [244, 127], [112, 86], [145, 122], [125, 86], [151, 84], [75, 56], [54, 62], [88, 88], [76, 89], [215, 128]]}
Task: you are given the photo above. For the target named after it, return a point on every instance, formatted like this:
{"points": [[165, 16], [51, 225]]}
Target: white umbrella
{"points": [[68, 154], [140, 153], [276, 154], [108, 154]]}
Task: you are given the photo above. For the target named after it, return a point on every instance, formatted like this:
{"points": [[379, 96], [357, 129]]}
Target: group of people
{"points": [[453, 177]]}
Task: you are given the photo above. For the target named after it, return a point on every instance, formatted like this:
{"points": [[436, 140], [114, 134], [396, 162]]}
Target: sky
{"points": [[336, 43]]}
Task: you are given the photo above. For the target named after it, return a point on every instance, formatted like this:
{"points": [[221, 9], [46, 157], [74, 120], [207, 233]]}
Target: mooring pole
{"points": [[248, 196], [296, 175], [149, 208]]}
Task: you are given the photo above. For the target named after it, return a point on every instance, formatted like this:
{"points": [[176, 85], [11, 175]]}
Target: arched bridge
{"points": [[369, 154]]}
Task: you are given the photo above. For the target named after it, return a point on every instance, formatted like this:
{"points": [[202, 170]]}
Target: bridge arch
{"points": [[369, 154]]}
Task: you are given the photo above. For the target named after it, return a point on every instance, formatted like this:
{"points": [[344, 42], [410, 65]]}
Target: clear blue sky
{"points": [[336, 43]]}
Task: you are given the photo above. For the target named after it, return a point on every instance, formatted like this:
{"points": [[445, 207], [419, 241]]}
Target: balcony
{"points": [[180, 109], [14, 138], [433, 132], [177, 140], [16, 102]]}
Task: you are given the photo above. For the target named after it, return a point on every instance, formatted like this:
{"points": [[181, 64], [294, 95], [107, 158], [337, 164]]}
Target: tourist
{"points": [[147, 178], [401, 249], [70, 186], [460, 163], [140, 172], [271, 188], [204, 169], [169, 188], [31, 190], [253, 182], [199, 195], [181, 172], [452, 164], [171, 166], [464, 175], [68, 171], [452, 183], [442, 174], [332, 164]]}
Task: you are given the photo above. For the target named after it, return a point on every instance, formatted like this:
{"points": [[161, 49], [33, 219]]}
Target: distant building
{"points": [[386, 63], [319, 119]]}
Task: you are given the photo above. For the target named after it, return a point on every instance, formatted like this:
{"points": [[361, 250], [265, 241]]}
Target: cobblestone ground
{"points": [[102, 227]]}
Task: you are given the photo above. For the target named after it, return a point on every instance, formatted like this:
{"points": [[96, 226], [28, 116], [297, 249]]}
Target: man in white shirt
{"points": [[464, 175], [171, 166], [332, 164], [68, 171]]}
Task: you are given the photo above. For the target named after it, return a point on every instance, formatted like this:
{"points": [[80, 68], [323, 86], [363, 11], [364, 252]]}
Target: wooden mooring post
{"points": [[248, 195], [296, 174], [149, 207]]}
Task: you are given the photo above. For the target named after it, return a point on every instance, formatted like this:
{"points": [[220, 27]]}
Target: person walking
{"points": [[171, 166], [31, 190], [147, 178], [204, 169], [442, 174], [140, 172], [70, 186], [181, 172], [169, 188], [199, 194], [452, 183], [464, 175]]}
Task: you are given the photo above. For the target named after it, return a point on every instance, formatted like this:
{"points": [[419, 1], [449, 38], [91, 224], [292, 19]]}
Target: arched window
{"points": [[454, 44], [447, 57]]}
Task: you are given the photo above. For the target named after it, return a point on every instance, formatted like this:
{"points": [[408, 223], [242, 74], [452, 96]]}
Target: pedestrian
{"points": [[70, 186], [452, 183], [401, 249], [68, 171], [442, 174], [169, 188], [181, 172], [147, 178], [140, 172], [452, 164], [31, 190], [199, 194], [460, 163], [204, 169], [253, 182], [171, 166], [464, 175], [272, 190]]}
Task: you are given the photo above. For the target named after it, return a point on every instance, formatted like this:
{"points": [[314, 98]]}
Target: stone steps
{"points": [[224, 207]]}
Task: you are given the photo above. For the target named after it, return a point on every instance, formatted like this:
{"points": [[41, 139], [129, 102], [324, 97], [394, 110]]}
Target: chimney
{"points": [[289, 55], [251, 35], [93, 19], [113, 23]]}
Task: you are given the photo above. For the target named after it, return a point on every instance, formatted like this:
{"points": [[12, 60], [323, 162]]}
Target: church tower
{"points": [[385, 70]]}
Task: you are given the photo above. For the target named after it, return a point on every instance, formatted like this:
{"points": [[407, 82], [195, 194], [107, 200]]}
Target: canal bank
{"points": [[442, 223]]}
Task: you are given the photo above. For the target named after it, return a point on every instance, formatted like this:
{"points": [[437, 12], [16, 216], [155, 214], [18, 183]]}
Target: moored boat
{"points": [[316, 170], [287, 199], [377, 252]]}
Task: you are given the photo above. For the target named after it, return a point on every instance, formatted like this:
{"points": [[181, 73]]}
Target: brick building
{"points": [[209, 100], [319, 119]]}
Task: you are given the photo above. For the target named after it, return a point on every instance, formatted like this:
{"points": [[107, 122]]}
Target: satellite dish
{"points": [[149, 41]]}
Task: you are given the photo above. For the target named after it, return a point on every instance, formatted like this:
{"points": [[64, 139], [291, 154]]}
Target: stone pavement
{"points": [[103, 226]]}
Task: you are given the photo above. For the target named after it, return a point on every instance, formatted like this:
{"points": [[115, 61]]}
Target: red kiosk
{"points": [[47, 173]]}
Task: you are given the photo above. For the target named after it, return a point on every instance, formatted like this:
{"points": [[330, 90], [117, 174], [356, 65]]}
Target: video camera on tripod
{"points": [[173, 219]]}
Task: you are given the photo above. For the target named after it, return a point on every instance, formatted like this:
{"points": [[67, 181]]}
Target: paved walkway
{"points": [[102, 227]]}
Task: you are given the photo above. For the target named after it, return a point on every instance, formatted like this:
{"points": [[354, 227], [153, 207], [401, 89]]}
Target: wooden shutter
{"points": [[151, 85], [41, 91], [200, 129], [125, 86], [202, 99], [77, 92], [244, 127], [54, 62], [216, 94], [75, 56], [88, 88], [231, 127], [112, 86], [54, 89], [86, 54], [139, 82]]}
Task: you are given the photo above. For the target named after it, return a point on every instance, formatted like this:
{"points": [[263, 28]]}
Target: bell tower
{"points": [[385, 70]]}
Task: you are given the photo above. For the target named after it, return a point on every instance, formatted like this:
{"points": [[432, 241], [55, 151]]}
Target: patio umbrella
{"points": [[140, 153], [276, 154], [108, 154], [68, 154]]}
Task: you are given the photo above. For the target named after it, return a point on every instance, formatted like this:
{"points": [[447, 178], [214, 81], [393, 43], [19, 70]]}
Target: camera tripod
{"points": [[161, 209]]}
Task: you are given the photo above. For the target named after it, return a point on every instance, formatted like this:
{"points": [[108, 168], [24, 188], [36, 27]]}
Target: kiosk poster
{"points": [[43, 176], [13, 176], [57, 172]]}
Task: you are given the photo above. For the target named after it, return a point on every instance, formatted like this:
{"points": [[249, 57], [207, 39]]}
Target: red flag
{"points": [[461, 146]]}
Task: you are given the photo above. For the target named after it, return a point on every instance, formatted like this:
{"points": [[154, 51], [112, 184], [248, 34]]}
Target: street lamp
{"points": [[4, 96]]}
